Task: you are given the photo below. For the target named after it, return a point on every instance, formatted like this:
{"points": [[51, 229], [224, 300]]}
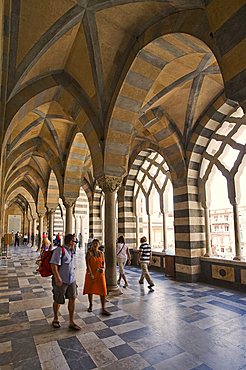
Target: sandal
{"points": [[74, 327], [56, 324], [106, 313]]}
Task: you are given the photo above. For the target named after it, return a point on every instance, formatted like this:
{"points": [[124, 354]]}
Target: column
{"points": [[205, 203], [137, 231], [69, 216], [149, 228], [207, 232], [234, 197], [164, 231], [34, 232], [110, 185], [237, 234], [29, 231], [51, 213], [149, 220], [23, 224], [41, 229]]}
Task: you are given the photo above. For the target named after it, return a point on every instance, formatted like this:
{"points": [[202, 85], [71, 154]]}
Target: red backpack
{"points": [[44, 266]]}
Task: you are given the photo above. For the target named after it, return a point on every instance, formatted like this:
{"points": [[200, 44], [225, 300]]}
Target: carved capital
{"points": [[109, 183], [68, 202], [51, 210]]}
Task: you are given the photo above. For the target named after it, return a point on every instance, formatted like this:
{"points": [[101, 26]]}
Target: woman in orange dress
{"points": [[95, 282]]}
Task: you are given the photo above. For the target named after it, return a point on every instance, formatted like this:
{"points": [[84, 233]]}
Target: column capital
{"points": [[109, 183], [69, 202], [40, 214], [51, 210]]}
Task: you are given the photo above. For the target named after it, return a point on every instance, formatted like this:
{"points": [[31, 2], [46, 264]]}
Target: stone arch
{"points": [[127, 118], [26, 195], [77, 107], [41, 202], [205, 127], [75, 166], [52, 199]]}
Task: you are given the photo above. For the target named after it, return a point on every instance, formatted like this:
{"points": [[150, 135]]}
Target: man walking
{"points": [[144, 261], [63, 281]]}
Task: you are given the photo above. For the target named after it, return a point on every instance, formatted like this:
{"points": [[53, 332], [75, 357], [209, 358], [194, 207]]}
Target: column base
{"points": [[114, 290], [207, 255], [236, 258]]}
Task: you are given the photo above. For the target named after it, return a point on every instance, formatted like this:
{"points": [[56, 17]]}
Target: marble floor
{"points": [[177, 326]]}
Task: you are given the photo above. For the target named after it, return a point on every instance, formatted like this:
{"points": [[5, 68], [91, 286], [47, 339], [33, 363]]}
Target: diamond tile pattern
{"points": [[177, 326]]}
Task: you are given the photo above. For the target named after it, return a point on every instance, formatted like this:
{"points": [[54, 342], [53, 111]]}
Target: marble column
{"points": [[23, 223], [41, 229], [237, 233], [110, 185], [207, 232], [51, 213], [137, 231], [149, 228], [234, 197], [34, 232], [205, 200], [69, 217], [164, 231], [29, 231]]}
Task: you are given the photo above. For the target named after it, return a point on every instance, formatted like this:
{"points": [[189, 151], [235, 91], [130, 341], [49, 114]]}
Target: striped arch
{"points": [[95, 219], [126, 212], [59, 218], [19, 173], [59, 87], [41, 202], [209, 122], [20, 201], [225, 21], [76, 166], [52, 192], [21, 183], [141, 70], [26, 195], [87, 188], [188, 213], [16, 160]]}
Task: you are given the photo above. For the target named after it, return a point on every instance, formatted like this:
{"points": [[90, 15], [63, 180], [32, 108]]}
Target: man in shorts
{"points": [[63, 281]]}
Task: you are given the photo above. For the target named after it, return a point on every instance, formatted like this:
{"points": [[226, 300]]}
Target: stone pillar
{"points": [[34, 232], [237, 234], [69, 217], [23, 223], [29, 231], [207, 232], [234, 197], [149, 228], [137, 231], [205, 200], [110, 185], [149, 220], [164, 231], [51, 213], [41, 229]]}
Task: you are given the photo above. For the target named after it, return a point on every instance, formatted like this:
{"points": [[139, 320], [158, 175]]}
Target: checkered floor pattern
{"points": [[175, 326]]}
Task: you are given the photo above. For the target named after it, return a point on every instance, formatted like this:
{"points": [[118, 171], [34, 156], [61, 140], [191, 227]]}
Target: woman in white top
{"points": [[122, 255]]}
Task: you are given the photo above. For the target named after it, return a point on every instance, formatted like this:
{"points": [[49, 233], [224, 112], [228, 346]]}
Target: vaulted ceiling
{"points": [[71, 67]]}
